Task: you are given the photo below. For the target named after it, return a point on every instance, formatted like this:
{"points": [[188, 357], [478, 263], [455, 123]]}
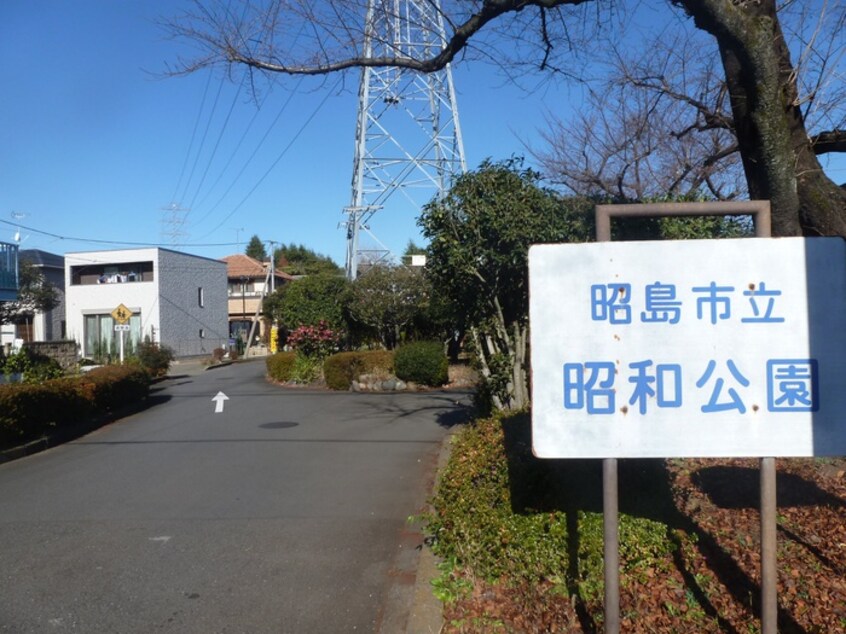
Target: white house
{"points": [[175, 299]]}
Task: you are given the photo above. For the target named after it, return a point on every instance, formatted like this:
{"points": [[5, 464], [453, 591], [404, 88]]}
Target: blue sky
{"points": [[93, 144]]}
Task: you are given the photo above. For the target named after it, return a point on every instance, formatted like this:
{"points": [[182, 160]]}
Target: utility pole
{"points": [[274, 329], [272, 245], [408, 137]]}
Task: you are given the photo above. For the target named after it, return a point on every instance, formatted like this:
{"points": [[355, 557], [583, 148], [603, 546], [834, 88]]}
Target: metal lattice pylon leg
{"points": [[408, 137]]}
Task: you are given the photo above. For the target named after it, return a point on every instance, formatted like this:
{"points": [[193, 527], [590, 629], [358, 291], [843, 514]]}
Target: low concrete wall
{"points": [[65, 352]]}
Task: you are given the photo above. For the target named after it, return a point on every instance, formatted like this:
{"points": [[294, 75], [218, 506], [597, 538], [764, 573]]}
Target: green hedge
{"points": [[473, 521], [422, 362], [280, 366], [114, 386], [29, 411], [501, 514], [341, 369]]}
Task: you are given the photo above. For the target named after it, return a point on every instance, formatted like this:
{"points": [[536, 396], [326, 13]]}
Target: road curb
{"points": [[426, 615], [68, 433]]}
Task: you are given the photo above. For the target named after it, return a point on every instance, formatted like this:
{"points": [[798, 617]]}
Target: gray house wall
{"points": [[186, 326], [52, 266], [54, 319]]}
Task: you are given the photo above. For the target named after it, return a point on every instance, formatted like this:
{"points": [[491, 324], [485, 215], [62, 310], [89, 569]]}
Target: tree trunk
{"points": [[777, 153], [521, 386], [484, 368]]}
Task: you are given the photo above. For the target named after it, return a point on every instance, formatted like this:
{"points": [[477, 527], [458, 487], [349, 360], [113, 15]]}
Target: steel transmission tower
{"points": [[408, 137], [173, 224]]}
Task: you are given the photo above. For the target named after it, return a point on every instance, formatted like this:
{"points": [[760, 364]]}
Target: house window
{"points": [[245, 287], [201, 300], [111, 273], [102, 342]]}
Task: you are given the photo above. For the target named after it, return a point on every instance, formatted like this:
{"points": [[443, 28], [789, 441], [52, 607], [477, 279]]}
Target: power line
{"points": [[216, 146], [118, 242], [203, 140], [278, 158], [251, 157], [259, 104], [193, 137]]}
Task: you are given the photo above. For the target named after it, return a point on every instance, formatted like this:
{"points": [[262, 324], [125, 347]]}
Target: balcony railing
{"points": [[238, 293], [8, 272]]}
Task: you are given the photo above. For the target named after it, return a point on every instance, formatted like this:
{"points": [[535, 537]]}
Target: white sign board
{"points": [[708, 348]]}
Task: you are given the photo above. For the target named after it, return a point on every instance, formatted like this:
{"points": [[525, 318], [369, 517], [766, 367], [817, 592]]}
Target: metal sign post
{"points": [[760, 212], [122, 329], [121, 315], [610, 503], [699, 348]]}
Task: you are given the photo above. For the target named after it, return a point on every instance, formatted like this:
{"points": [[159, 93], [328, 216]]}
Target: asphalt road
{"points": [[286, 512]]}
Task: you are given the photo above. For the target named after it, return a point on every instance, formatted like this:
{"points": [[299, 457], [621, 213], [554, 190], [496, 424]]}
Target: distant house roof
{"points": [[240, 265], [42, 258]]}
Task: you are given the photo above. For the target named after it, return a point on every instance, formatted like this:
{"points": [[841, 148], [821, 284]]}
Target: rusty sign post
{"points": [[760, 212], [691, 348]]}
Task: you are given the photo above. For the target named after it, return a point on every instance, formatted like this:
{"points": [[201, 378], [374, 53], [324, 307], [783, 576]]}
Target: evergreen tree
{"points": [[255, 249], [297, 259]]}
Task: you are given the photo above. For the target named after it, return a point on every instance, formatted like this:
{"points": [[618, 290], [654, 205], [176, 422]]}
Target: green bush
{"points": [[306, 369], [32, 410], [312, 299], [280, 366], [29, 410], [502, 515], [473, 521], [341, 369], [154, 357], [113, 386], [423, 362], [315, 341], [34, 367]]}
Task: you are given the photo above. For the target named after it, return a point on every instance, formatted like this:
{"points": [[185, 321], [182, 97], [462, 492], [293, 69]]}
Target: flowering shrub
{"points": [[315, 342]]}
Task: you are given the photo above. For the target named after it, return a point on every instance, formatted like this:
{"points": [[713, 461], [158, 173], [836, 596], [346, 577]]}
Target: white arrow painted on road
{"points": [[218, 402]]}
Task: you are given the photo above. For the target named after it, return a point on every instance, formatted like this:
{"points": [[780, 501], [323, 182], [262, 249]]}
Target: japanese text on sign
{"points": [[613, 303], [689, 348]]}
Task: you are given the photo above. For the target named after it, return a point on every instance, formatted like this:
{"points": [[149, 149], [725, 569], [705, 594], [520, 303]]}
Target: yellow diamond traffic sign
{"points": [[121, 314]]}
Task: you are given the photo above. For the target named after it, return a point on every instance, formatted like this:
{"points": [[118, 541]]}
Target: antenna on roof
{"points": [[19, 215]]}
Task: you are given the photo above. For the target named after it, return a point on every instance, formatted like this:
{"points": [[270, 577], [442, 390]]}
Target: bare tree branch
{"points": [[225, 37], [703, 94], [830, 141], [641, 134]]}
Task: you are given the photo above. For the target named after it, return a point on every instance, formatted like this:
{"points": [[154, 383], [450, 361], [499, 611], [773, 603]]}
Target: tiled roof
{"points": [[240, 265]]}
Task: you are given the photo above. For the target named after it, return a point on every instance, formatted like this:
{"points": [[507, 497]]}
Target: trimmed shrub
{"points": [[154, 357], [113, 386], [29, 411], [423, 362], [473, 518], [341, 369], [280, 366]]}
